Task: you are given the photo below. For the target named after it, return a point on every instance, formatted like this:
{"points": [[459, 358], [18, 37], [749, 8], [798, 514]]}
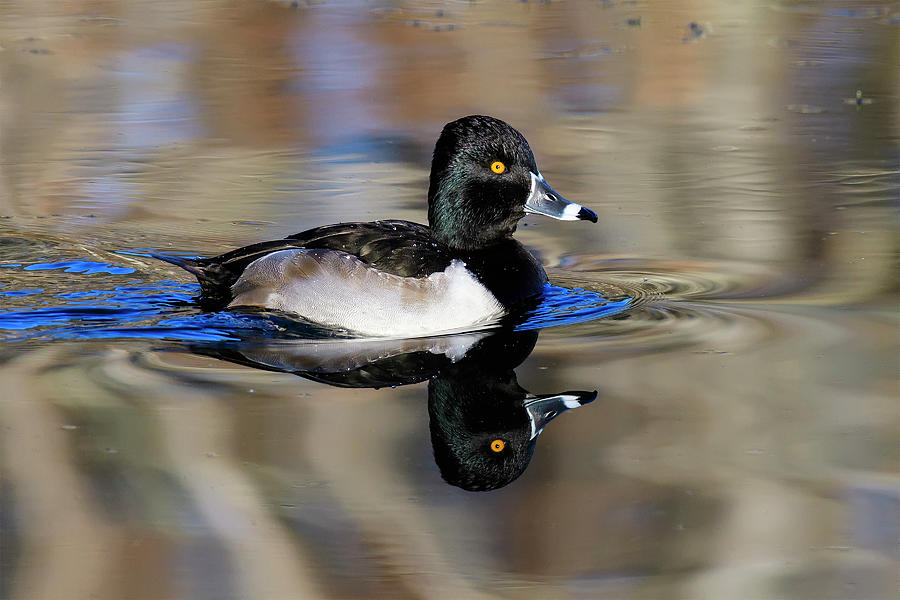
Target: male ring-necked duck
{"points": [[398, 278]]}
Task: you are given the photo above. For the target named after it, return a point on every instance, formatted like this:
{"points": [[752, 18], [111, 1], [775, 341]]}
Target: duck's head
{"points": [[483, 180]]}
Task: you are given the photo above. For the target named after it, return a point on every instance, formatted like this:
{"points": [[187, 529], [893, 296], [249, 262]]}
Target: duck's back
{"points": [[396, 247]]}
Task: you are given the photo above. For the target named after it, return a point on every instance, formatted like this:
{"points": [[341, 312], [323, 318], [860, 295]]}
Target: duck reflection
{"points": [[484, 425]]}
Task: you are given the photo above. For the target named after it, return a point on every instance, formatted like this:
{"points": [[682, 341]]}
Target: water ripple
{"points": [[648, 280], [568, 306], [80, 266]]}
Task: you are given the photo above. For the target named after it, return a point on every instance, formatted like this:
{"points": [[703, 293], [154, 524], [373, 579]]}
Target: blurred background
{"points": [[743, 158]]}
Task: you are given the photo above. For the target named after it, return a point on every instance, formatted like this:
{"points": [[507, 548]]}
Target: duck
{"points": [[397, 278]]}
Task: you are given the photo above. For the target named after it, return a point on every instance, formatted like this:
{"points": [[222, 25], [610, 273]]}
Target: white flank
{"points": [[337, 289]]}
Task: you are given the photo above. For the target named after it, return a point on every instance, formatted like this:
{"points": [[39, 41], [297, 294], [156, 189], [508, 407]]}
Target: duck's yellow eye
{"points": [[498, 167], [498, 445]]}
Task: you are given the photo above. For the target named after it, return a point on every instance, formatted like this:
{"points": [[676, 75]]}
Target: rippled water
{"points": [[704, 404]]}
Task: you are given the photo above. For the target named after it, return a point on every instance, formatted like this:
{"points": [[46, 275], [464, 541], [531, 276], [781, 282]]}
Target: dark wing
{"points": [[397, 247]]}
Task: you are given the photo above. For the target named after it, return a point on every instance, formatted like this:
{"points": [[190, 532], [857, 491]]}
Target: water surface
{"points": [[721, 347]]}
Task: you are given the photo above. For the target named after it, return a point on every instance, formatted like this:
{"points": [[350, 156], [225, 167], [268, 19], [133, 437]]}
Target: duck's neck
{"points": [[456, 224]]}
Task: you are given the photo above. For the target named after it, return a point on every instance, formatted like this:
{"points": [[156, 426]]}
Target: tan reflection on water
{"points": [[745, 447]]}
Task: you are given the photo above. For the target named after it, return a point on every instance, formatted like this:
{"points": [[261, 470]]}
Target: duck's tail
{"points": [[215, 282], [217, 274], [191, 265]]}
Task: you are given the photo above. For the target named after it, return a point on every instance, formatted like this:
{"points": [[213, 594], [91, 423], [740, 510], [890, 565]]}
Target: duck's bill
{"points": [[543, 409], [543, 200]]}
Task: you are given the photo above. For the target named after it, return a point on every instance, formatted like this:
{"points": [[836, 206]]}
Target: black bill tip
{"points": [[586, 214]]}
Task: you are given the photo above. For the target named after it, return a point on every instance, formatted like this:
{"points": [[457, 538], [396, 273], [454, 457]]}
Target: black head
{"points": [[483, 180]]}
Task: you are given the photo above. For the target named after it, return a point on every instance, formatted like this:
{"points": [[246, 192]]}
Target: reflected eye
{"points": [[498, 445], [497, 167]]}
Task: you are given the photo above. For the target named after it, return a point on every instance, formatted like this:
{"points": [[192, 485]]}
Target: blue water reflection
{"points": [[80, 266], [564, 306]]}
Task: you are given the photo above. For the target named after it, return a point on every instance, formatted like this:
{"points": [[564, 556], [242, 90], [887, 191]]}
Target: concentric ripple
{"points": [[648, 279], [672, 303]]}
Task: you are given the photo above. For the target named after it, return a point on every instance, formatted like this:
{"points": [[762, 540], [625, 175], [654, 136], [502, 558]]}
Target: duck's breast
{"points": [[337, 289]]}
